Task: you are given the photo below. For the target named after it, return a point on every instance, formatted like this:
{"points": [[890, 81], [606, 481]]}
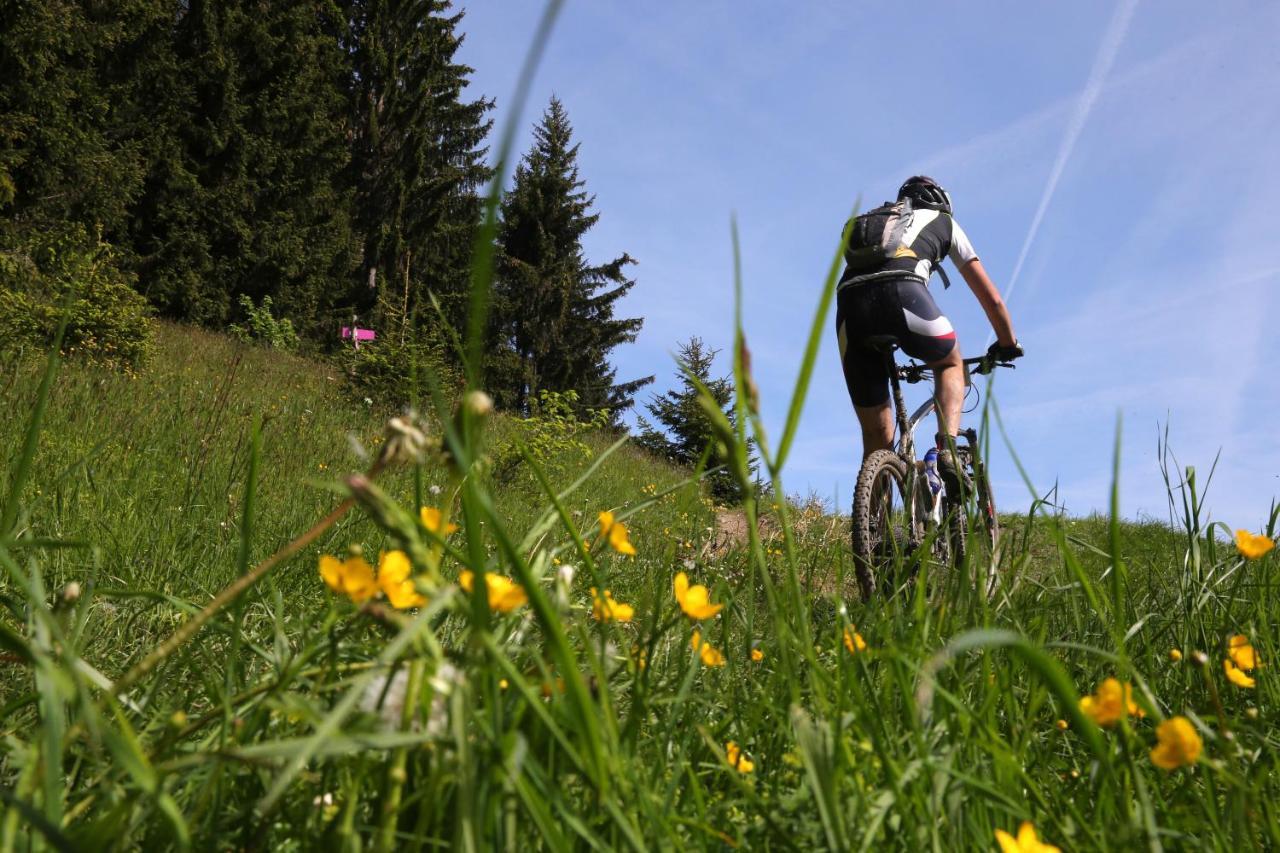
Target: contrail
{"points": [[1107, 51]]}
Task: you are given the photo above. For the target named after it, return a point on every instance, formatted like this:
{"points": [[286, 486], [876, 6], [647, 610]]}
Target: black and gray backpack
{"points": [[874, 238]]}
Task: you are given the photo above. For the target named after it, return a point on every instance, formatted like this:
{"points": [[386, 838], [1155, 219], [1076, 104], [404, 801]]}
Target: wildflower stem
{"points": [[233, 591], [396, 769]]}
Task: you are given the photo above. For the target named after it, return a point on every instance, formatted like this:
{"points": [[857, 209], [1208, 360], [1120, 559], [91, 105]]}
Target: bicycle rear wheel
{"points": [[883, 534]]}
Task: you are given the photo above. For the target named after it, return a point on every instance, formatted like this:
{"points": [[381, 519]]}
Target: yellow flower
{"points": [[604, 608], [505, 594], [710, 656], [397, 586], [1179, 744], [737, 760], [1110, 702], [617, 533], [694, 600], [853, 641], [433, 520], [1237, 676], [1062, 725], [1026, 842], [1241, 651], [757, 655], [353, 577], [1175, 655], [1252, 546]]}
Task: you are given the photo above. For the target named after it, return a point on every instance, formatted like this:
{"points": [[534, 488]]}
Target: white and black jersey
{"points": [[931, 236]]}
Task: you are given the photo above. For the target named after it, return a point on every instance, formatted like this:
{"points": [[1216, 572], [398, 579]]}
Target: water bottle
{"points": [[934, 479], [931, 471]]}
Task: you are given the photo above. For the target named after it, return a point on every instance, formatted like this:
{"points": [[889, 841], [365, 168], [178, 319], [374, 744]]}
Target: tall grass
{"points": [[168, 682]]}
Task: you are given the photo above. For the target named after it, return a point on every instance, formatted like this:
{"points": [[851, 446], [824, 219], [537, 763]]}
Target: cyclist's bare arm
{"points": [[989, 298]]}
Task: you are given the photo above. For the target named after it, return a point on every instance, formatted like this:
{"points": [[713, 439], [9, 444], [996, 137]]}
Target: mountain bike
{"points": [[898, 518]]}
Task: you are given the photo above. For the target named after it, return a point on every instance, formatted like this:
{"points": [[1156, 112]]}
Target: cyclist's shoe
{"points": [[953, 471]]}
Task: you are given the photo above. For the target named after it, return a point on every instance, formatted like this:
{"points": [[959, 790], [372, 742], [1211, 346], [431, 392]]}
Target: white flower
{"points": [[368, 402], [565, 574], [385, 697], [434, 489], [405, 441], [446, 678]]}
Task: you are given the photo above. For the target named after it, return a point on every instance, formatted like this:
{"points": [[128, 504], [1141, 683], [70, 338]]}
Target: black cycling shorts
{"points": [[899, 307]]}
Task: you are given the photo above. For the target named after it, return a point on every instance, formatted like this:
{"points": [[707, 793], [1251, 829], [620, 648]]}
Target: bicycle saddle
{"points": [[881, 343]]}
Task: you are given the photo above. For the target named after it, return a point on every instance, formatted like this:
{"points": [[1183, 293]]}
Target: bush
{"points": [[45, 276], [391, 371], [261, 326], [552, 433]]}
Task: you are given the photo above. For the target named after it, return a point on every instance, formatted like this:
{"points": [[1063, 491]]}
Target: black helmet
{"points": [[925, 192]]}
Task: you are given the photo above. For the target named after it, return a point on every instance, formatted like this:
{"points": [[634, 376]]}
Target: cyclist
{"points": [[894, 300]]}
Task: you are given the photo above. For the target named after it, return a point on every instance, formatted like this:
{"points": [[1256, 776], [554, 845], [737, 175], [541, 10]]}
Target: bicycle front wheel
{"points": [[882, 520]]}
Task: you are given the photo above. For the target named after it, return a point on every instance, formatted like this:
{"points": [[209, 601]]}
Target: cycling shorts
{"points": [[899, 307]]}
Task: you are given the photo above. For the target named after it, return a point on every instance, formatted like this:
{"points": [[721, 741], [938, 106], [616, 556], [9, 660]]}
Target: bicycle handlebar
{"points": [[980, 365]]}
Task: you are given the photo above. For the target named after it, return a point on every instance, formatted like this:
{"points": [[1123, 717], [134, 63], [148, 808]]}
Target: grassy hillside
{"points": [[298, 717]]}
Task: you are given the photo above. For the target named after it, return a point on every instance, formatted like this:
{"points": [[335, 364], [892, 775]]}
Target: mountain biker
{"points": [[893, 299]]}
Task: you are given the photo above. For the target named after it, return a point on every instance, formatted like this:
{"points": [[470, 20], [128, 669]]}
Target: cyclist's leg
{"points": [[928, 335], [865, 374]]}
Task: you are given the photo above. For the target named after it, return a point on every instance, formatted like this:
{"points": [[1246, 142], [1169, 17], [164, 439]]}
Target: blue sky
{"points": [[1118, 155]]}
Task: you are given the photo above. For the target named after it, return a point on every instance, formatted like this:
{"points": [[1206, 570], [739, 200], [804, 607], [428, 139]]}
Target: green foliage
{"points": [[685, 433], [553, 433], [47, 276], [299, 719], [263, 327], [553, 323], [392, 370]]}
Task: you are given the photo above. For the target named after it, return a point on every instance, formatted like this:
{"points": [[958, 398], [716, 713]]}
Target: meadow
{"points": [[351, 698]]}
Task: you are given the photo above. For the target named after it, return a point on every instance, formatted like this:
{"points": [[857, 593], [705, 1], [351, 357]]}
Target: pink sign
{"points": [[360, 334]]}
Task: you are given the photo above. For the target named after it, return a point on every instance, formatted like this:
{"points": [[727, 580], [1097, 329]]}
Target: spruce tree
{"points": [[554, 323], [683, 431], [418, 150], [64, 165], [248, 194]]}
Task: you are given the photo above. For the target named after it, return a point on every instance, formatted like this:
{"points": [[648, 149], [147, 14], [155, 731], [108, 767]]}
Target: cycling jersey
{"points": [[895, 300]]}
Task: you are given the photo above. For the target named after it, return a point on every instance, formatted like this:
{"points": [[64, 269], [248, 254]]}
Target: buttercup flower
{"points": [[757, 655], [694, 600], [1175, 655], [432, 519], [605, 609], [1251, 545], [1026, 842], [737, 759], [352, 577], [853, 641], [1241, 651], [710, 655], [617, 533], [1062, 725], [393, 577], [1179, 744], [505, 594], [1110, 702], [1237, 676]]}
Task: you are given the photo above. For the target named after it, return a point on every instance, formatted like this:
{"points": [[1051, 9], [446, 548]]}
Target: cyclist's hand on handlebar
{"points": [[997, 352]]}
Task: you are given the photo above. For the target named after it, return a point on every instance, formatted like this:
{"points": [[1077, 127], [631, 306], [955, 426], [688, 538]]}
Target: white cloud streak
{"points": [[1102, 63]]}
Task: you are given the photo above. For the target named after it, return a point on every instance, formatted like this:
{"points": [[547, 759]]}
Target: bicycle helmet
{"points": [[925, 192]]}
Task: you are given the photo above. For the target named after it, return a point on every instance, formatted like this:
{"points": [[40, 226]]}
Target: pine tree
{"points": [[685, 431], [63, 163], [554, 311], [418, 152], [247, 195]]}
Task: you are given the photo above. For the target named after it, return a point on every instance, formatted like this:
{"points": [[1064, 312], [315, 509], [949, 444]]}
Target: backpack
{"points": [[874, 238]]}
